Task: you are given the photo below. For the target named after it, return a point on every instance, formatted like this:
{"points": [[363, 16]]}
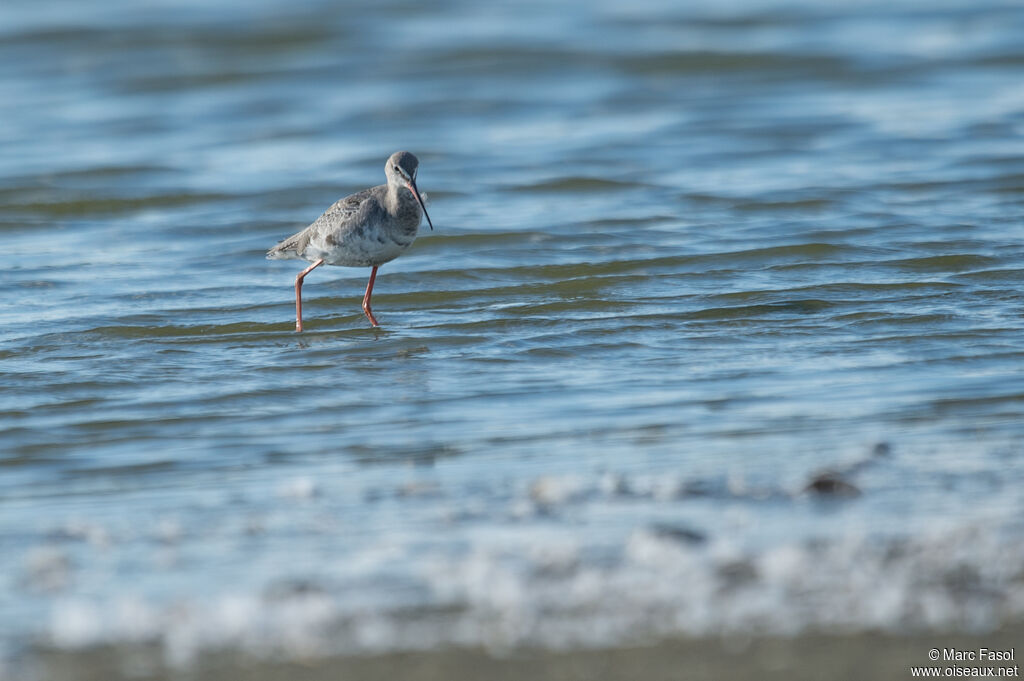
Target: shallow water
{"points": [[685, 259]]}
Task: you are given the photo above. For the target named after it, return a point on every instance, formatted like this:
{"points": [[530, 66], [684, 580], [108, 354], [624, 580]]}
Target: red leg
{"points": [[298, 292], [366, 298]]}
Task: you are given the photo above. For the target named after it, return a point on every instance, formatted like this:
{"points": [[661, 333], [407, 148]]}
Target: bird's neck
{"points": [[398, 199], [393, 198]]}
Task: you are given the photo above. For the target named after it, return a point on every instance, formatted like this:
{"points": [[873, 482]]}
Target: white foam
{"points": [[556, 561]]}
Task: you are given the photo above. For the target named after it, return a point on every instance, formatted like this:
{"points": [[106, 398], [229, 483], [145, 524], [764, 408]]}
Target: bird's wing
{"points": [[335, 220], [345, 208], [346, 211]]}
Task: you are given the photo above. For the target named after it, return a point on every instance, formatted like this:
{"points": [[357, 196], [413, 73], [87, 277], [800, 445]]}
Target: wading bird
{"points": [[366, 229]]}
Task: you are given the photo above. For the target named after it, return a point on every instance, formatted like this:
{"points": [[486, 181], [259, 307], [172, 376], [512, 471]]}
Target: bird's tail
{"points": [[285, 250]]}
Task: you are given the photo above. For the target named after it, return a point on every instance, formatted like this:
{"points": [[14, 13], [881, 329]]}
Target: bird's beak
{"points": [[416, 192]]}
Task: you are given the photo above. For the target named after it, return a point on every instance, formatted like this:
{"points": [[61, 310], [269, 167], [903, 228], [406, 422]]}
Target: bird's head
{"points": [[401, 172]]}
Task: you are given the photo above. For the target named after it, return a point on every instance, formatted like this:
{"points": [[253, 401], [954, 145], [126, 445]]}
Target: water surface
{"points": [[685, 260]]}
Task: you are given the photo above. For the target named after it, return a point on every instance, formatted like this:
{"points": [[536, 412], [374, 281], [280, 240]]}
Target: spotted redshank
{"points": [[367, 229]]}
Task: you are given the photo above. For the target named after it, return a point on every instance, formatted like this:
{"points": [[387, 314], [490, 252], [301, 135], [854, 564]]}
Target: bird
{"points": [[366, 229]]}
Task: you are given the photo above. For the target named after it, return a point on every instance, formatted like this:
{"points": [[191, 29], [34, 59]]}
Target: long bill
{"points": [[416, 192]]}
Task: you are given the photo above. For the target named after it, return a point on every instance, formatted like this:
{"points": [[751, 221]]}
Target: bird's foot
{"points": [[369, 315]]}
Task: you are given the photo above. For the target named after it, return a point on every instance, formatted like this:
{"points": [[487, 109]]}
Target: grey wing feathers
{"points": [[340, 212], [349, 205]]}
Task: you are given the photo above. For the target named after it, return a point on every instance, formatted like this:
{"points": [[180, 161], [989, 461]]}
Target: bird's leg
{"points": [[366, 298], [298, 292]]}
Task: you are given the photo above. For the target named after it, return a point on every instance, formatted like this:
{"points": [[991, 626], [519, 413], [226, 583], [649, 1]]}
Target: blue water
{"points": [[687, 260]]}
